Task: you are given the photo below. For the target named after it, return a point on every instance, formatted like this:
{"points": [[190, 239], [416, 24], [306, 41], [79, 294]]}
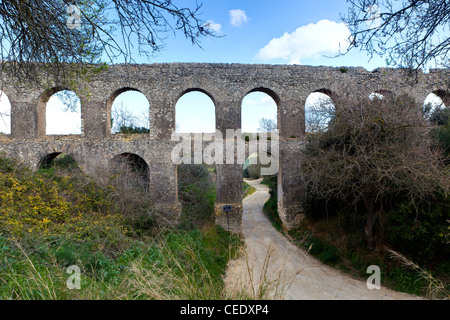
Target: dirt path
{"points": [[287, 271]]}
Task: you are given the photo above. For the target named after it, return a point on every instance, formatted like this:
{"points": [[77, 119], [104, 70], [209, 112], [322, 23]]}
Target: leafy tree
{"points": [[267, 125], [133, 130], [412, 33]]}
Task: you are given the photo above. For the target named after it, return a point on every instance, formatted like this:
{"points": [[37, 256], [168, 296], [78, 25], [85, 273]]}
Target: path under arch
{"points": [[291, 273]]}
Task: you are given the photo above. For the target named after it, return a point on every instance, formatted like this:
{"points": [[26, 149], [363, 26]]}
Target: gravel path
{"points": [[274, 268]]}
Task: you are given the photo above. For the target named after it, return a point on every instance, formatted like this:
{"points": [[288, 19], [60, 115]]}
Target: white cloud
{"points": [[216, 27], [238, 17], [309, 41], [261, 99]]}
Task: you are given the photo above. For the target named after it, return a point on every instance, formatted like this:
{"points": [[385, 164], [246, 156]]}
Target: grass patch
{"points": [[270, 208], [247, 189], [176, 265]]}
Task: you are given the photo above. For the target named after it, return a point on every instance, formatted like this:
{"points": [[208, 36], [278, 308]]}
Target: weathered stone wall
{"points": [[163, 85]]}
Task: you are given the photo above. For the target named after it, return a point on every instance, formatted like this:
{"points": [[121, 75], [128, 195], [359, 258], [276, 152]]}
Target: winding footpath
{"points": [[273, 265]]}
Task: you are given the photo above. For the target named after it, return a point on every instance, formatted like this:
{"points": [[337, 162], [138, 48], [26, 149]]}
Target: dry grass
{"points": [[168, 278], [247, 281], [32, 280]]}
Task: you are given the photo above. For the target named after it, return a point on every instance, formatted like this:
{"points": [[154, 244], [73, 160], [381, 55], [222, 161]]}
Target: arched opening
{"points": [[444, 95], [196, 185], [259, 112], [132, 170], [319, 111], [5, 114], [195, 112], [260, 115], [434, 107], [58, 160], [61, 109], [128, 112], [380, 94], [129, 176]]}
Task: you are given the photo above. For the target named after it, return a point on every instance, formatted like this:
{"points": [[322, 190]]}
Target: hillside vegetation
{"points": [[57, 220]]}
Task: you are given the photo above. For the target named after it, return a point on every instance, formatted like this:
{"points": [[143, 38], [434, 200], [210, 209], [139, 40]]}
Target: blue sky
{"points": [[263, 21], [250, 32]]}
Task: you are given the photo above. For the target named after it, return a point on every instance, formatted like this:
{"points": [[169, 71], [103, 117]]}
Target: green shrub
{"points": [[440, 116], [419, 232], [197, 194], [328, 254], [316, 209], [442, 136], [246, 174], [270, 208], [46, 205], [64, 161], [7, 165], [133, 130], [408, 281]]}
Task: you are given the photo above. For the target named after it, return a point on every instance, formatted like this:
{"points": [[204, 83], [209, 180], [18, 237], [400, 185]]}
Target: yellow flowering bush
{"points": [[46, 205]]}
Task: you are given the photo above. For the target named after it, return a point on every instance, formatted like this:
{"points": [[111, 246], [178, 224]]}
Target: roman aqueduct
{"points": [[163, 85]]}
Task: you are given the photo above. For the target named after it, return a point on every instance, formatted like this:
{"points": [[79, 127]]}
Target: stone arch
{"points": [[185, 100], [110, 103], [46, 160], [237, 172], [319, 109], [195, 89], [190, 156], [380, 94], [265, 109], [444, 95], [42, 112], [436, 100], [269, 92], [136, 165], [190, 177], [328, 92]]}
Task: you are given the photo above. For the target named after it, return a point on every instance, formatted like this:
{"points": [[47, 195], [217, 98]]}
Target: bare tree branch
{"points": [[53, 34], [374, 151], [412, 33]]}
